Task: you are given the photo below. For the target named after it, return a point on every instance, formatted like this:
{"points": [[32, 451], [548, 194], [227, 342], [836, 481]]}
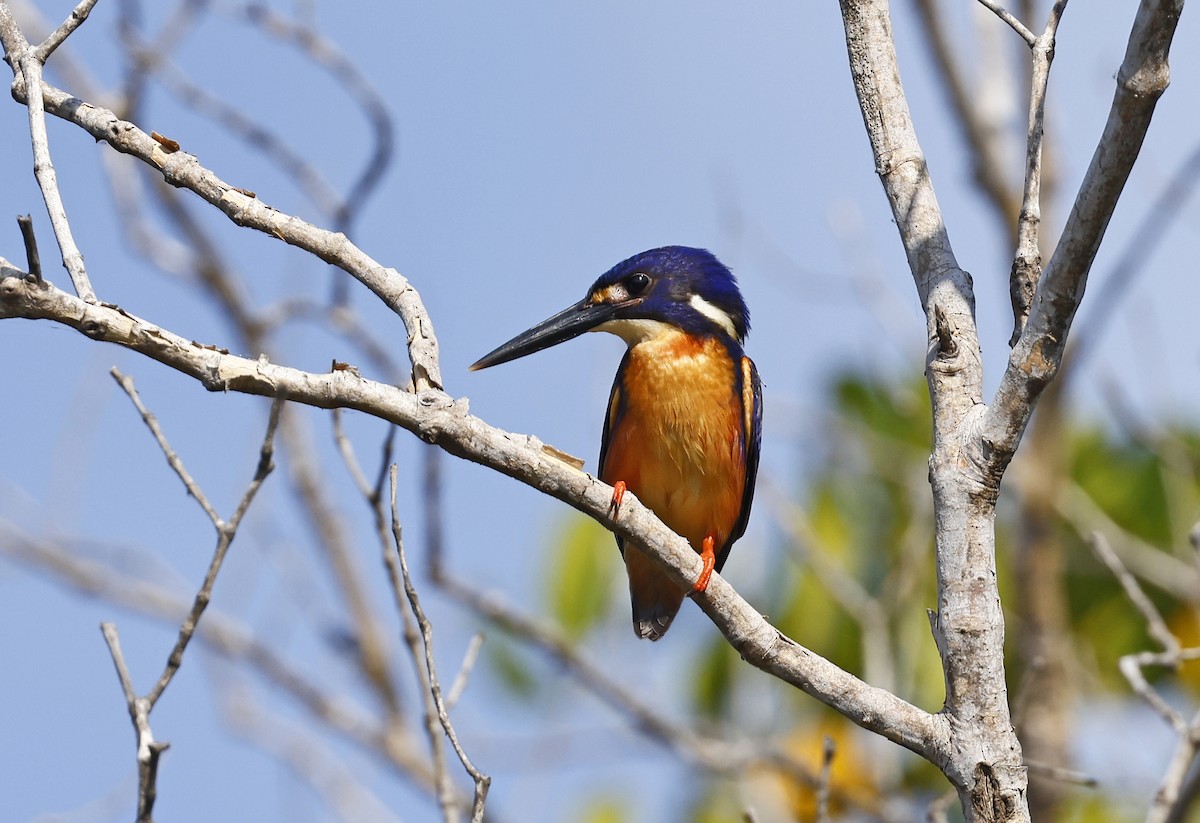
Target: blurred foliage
{"points": [[852, 578], [580, 573]]}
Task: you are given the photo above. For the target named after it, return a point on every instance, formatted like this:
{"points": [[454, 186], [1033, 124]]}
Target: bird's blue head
{"points": [[679, 286]]}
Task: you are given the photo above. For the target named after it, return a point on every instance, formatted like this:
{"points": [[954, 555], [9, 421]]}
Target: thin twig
{"points": [[464, 670], [173, 459], [226, 532], [326, 53], [74, 20], [140, 707], [936, 813], [149, 750], [482, 781], [828, 752], [1008, 17], [1165, 805], [443, 788], [1061, 774], [1027, 263], [231, 640], [113, 639], [47, 178], [1155, 624]]}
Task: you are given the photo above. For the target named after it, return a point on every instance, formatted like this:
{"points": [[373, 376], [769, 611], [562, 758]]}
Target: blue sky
{"points": [[537, 144]]}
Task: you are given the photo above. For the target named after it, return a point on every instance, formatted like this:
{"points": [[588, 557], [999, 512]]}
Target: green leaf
{"points": [[712, 683], [583, 565], [604, 810], [512, 672]]}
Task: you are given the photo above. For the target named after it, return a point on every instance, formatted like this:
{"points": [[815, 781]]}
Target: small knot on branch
{"points": [[947, 347], [31, 249], [1022, 286]]}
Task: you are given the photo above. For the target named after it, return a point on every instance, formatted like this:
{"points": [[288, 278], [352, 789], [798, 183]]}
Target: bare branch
{"points": [[1008, 17], [324, 52], [482, 781], [982, 138], [183, 170], [464, 670], [173, 459], [24, 58], [226, 532], [140, 707], [444, 421], [32, 258], [828, 752], [1027, 264], [1035, 359], [1133, 590], [74, 20], [149, 750], [987, 769], [113, 639], [1170, 791]]}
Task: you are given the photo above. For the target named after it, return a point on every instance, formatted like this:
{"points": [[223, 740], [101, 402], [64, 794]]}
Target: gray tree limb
{"points": [[444, 421]]}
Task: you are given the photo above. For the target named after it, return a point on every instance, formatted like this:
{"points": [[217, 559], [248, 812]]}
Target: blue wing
{"points": [[751, 393]]}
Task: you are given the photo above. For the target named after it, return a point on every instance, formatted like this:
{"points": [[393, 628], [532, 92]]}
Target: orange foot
{"points": [[618, 495], [710, 561]]}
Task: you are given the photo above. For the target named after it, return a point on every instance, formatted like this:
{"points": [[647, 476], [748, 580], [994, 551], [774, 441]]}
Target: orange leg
{"points": [[710, 561], [618, 495]]}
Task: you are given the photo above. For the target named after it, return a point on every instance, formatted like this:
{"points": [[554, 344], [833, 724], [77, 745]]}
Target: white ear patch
{"points": [[721, 318]]}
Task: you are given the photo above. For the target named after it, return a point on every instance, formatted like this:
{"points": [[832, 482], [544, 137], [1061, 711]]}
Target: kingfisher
{"points": [[684, 418]]}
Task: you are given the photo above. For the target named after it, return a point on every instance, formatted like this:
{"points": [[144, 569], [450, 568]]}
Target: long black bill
{"points": [[570, 322]]}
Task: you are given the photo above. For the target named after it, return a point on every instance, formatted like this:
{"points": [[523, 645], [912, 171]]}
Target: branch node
{"points": [[34, 259], [947, 348]]}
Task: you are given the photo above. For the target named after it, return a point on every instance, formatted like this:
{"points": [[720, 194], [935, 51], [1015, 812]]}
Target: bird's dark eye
{"points": [[637, 283]]}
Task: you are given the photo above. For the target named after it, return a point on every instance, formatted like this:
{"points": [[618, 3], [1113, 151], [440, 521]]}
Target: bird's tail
{"points": [[656, 598]]}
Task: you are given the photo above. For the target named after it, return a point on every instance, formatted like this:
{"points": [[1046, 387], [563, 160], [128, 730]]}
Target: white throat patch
{"points": [[634, 331]]}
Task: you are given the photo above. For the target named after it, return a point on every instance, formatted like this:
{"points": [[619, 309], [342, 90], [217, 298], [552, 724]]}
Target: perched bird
{"points": [[684, 418]]}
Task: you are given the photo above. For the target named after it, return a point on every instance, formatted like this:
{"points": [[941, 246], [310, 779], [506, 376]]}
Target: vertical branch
{"points": [[1027, 264], [29, 61], [149, 750], [31, 248], [985, 762]]}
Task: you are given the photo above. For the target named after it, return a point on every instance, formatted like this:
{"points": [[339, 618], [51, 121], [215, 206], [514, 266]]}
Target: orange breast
{"points": [[679, 444]]}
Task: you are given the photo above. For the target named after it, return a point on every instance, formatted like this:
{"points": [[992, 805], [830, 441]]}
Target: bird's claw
{"points": [[617, 497], [709, 557]]}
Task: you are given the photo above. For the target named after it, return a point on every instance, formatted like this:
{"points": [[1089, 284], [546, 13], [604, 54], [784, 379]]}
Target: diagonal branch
{"points": [[243, 208], [1035, 360], [55, 39], [440, 419], [1012, 20], [983, 138]]}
